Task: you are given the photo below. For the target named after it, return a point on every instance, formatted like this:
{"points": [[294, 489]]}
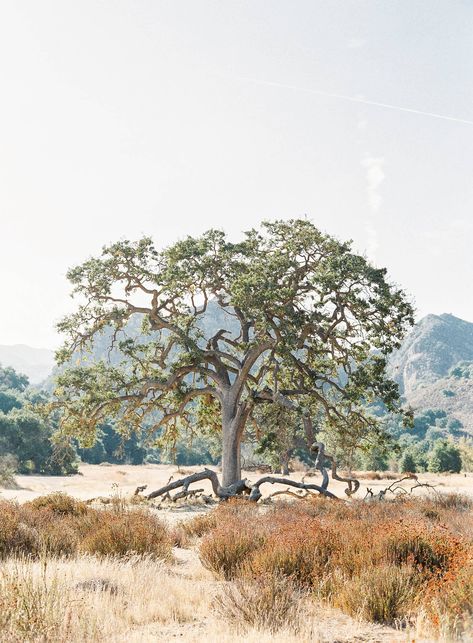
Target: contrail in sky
{"points": [[354, 99]]}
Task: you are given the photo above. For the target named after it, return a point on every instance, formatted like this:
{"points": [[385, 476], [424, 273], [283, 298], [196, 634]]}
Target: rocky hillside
{"points": [[434, 366]]}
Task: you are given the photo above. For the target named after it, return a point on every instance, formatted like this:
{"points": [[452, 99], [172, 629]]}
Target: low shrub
{"points": [[134, 532], [16, 537], [449, 605], [455, 501], [379, 594], [200, 525], [226, 549], [61, 526], [377, 475], [59, 503], [299, 552], [381, 561], [268, 603], [430, 550]]}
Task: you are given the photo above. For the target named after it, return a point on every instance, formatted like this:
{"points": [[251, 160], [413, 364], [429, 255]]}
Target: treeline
{"points": [[29, 444]]}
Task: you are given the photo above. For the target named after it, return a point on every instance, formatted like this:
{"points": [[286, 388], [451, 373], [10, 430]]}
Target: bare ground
{"points": [[104, 480]]}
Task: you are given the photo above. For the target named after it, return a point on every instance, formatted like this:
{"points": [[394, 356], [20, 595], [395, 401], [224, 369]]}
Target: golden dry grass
{"points": [[321, 569], [139, 600]]}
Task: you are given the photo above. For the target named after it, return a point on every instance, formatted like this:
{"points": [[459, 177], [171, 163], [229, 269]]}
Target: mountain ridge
{"points": [[423, 366], [36, 363]]}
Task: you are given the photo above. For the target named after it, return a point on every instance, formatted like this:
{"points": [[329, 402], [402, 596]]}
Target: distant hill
{"points": [[36, 363], [434, 366]]}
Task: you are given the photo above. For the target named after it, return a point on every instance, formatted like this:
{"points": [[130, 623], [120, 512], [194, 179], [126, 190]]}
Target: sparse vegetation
{"points": [[265, 603], [406, 561], [61, 526], [383, 562]]}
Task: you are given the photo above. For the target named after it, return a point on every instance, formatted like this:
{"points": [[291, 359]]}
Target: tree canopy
{"points": [[301, 319]]}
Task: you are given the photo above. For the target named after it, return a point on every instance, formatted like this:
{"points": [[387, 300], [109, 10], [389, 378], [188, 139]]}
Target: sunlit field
{"points": [[120, 568]]}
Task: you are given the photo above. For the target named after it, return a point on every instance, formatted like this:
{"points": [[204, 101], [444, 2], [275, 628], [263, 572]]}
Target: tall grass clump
{"points": [[59, 503], [381, 594], [266, 603], [34, 608]]}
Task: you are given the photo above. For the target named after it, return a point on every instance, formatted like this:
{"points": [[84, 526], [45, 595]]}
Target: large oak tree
{"points": [[301, 317]]}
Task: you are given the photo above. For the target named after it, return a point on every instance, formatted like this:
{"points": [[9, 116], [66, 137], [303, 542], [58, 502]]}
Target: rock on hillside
{"points": [[435, 345], [434, 367]]}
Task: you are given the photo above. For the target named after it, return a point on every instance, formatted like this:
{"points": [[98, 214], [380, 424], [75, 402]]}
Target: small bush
{"points": [[301, 553], [378, 594], [450, 604], [455, 501], [225, 550], [267, 603], [126, 533], [428, 550], [377, 475], [200, 525], [59, 503], [60, 526], [8, 468]]}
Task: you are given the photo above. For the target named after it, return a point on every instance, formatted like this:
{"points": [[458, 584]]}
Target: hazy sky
{"points": [[123, 118]]}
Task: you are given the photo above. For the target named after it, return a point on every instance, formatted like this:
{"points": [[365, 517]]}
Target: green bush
{"points": [[445, 456], [407, 464]]}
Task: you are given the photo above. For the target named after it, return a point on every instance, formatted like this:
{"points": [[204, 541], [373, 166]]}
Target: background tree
{"points": [[407, 463], [445, 456], [293, 305], [25, 437], [281, 432]]}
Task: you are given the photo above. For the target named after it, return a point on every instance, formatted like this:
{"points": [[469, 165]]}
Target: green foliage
{"points": [[463, 370], [280, 432], [112, 447], [445, 456], [465, 446], [430, 427], [375, 459], [407, 463], [10, 379], [25, 435], [8, 468], [197, 451]]}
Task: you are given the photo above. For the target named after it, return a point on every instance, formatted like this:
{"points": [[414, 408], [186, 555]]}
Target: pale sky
{"points": [[124, 118]]}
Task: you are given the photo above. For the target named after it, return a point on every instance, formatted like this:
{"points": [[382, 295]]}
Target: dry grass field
{"points": [[310, 570]]}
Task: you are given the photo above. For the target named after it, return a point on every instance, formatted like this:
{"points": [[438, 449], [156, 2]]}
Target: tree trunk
{"points": [[233, 425], [284, 460]]}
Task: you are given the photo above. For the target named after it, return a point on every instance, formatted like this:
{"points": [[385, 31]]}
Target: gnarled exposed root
{"points": [[224, 493], [256, 494], [246, 488], [319, 448], [396, 489]]}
